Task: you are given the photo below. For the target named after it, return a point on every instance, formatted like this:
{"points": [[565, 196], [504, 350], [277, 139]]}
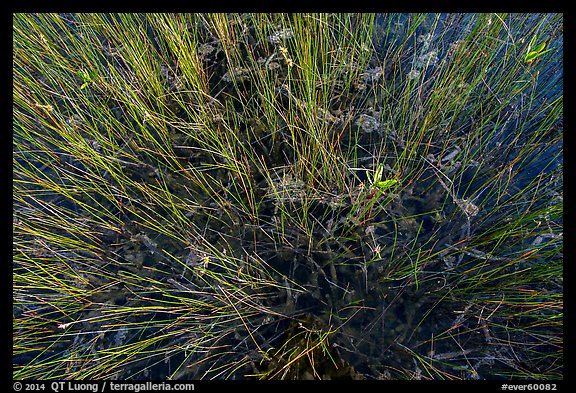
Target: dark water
{"points": [[382, 321]]}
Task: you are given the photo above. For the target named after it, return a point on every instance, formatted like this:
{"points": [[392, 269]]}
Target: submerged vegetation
{"points": [[287, 196]]}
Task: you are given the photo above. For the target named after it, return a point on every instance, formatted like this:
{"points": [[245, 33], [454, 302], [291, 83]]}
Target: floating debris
{"points": [[281, 35], [238, 74], [413, 74], [368, 123], [205, 49], [427, 59]]}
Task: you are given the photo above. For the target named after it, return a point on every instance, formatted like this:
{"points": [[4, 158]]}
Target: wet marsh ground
{"points": [[288, 196]]}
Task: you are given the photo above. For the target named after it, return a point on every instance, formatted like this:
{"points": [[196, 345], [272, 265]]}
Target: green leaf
{"points": [[532, 55], [531, 44], [385, 184], [84, 75], [534, 51], [540, 47], [378, 173]]}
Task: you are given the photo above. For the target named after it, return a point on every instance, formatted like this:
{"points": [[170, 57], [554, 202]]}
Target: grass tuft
{"points": [[274, 196]]}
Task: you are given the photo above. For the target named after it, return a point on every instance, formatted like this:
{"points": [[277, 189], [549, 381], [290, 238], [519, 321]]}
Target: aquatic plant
{"points": [[225, 196]]}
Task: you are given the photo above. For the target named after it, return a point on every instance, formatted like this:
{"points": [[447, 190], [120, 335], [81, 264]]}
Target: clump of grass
{"points": [[270, 195]]}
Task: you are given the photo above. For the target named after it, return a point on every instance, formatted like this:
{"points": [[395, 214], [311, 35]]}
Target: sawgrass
{"points": [[187, 187]]}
